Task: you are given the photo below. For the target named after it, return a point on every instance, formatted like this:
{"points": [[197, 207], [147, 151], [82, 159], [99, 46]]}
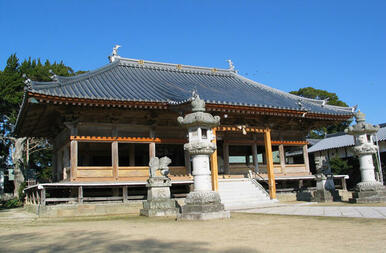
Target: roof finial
{"points": [[231, 66], [114, 54], [27, 81], [53, 75]]}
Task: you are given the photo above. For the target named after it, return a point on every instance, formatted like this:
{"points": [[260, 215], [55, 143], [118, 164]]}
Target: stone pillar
{"points": [[202, 203], [158, 191], [368, 190], [325, 188]]}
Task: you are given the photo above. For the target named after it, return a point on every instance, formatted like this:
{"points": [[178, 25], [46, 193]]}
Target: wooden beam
{"points": [[115, 159], [126, 139], [270, 168], [213, 164], [306, 160], [248, 142], [74, 159], [237, 129], [282, 158]]}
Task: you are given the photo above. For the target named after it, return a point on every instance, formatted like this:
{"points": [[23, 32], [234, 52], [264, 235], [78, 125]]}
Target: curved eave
{"points": [[210, 105]]}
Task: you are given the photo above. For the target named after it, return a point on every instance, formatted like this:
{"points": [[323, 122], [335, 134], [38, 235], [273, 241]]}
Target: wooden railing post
{"points": [[124, 194], [43, 197], [270, 168], [80, 194]]}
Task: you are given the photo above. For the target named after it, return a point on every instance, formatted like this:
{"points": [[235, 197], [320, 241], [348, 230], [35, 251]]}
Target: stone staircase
{"points": [[242, 193]]}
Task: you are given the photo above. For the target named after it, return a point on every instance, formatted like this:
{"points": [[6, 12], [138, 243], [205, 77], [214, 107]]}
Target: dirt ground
{"points": [[242, 233]]}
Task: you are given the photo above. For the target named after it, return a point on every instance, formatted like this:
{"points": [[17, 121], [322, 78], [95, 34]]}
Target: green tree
{"points": [[332, 99], [11, 95]]}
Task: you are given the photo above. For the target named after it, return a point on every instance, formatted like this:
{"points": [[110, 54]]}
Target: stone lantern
{"points": [[202, 203], [368, 190]]}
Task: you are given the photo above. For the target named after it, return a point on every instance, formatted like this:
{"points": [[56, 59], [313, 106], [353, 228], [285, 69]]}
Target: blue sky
{"points": [[339, 46]]}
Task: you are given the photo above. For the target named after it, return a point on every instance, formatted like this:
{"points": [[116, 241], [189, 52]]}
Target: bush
{"points": [[339, 166], [12, 203]]}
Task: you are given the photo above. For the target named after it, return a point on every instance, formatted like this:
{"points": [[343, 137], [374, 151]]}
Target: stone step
{"points": [[241, 194]]}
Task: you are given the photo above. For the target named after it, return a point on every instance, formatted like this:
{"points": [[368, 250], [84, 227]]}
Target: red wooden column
{"points": [[214, 165], [269, 158]]}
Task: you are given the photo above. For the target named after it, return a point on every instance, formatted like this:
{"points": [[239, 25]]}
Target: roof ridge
{"points": [[171, 66], [316, 102]]}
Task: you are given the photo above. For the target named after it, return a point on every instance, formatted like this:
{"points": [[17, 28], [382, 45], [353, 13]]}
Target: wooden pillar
{"points": [[80, 194], [226, 158], [187, 162], [59, 165], [306, 160], [214, 164], [43, 197], [132, 154], [124, 194], [344, 186], [282, 158], [301, 183], [54, 162], [151, 150], [151, 145], [115, 158], [269, 158], [33, 197], [37, 196], [254, 157], [74, 159]]}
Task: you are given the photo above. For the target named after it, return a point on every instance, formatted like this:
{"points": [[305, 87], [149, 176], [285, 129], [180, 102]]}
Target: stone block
{"points": [[204, 216], [371, 196]]}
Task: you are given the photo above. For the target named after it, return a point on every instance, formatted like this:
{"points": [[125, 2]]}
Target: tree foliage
{"points": [[332, 99], [11, 94]]}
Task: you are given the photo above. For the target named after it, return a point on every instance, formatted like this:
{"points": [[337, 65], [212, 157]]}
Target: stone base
{"points": [[326, 196], [163, 207], [203, 206], [370, 196]]}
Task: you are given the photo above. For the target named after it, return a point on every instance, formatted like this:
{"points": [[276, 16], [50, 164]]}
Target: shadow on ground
{"points": [[83, 241]]}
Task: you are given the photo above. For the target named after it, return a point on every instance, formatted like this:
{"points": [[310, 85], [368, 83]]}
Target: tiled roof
{"points": [[137, 80], [342, 140]]}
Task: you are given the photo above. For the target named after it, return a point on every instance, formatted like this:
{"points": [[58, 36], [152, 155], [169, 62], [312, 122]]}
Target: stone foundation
{"points": [[158, 199], [375, 196], [203, 206], [77, 210], [155, 208]]}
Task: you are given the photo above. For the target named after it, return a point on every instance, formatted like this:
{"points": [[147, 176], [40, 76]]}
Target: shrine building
{"points": [[106, 124]]}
